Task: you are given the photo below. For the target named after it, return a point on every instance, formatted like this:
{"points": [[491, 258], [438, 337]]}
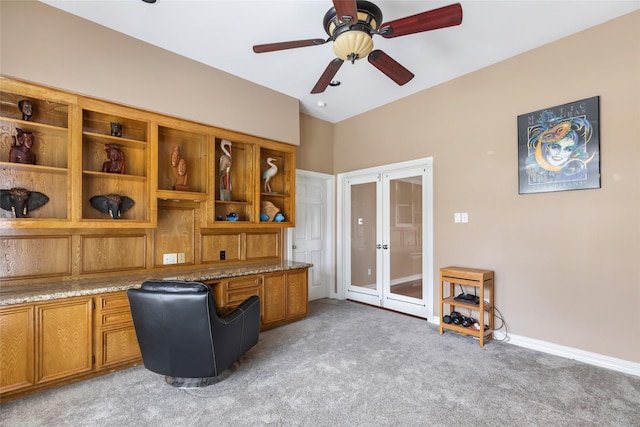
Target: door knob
{"points": [[378, 246], [295, 247], [385, 246]]}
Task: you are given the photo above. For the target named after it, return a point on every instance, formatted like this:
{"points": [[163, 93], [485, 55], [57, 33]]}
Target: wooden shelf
{"points": [[108, 139], [453, 302], [481, 282], [34, 168], [181, 195], [115, 176], [35, 126]]}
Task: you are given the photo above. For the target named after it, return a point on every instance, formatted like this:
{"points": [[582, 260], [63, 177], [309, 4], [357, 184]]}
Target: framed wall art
{"points": [[559, 148]]}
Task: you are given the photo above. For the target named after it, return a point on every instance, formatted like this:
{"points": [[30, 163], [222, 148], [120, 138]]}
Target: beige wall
{"points": [[567, 264], [44, 45], [316, 154]]}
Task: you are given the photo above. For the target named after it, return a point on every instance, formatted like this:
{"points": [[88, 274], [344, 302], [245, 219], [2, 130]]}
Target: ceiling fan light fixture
{"points": [[352, 45]]}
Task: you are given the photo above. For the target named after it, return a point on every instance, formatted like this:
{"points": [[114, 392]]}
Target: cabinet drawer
{"points": [[117, 300], [235, 298], [244, 282], [115, 318]]}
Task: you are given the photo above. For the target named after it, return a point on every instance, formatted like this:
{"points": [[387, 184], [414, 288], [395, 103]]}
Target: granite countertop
{"points": [[57, 289]]}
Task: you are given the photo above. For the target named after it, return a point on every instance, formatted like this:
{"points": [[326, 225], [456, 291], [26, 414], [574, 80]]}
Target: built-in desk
{"points": [[37, 321]]}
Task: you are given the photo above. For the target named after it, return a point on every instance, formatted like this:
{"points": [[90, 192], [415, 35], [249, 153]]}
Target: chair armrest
{"points": [[251, 304]]}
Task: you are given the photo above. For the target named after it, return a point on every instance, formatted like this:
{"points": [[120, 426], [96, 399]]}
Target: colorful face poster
{"points": [[559, 148]]}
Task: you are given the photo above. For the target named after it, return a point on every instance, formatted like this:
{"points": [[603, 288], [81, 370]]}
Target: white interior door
{"points": [[311, 240], [386, 238]]}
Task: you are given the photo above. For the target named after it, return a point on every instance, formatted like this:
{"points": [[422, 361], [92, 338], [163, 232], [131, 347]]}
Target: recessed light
{"points": [[322, 104], [334, 83]]}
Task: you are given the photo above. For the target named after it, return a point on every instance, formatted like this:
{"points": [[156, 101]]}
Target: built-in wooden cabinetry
{"points": [[115, 340], [46, 343], [195, 191], [283, 295], [174, 172], [54, 342]]}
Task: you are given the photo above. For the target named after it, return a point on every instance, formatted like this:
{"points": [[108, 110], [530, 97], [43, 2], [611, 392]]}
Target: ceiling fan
{"points": [[351, 24]]}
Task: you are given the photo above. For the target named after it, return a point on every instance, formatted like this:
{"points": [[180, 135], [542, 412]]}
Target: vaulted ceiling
{"points": [[221, 34]]}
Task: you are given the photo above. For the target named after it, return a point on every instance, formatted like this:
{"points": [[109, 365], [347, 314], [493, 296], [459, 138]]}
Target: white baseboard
{"points": [[588, 357]]}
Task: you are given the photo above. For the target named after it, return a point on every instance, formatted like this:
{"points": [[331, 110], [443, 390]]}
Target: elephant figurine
{"points": [[20, 201], [113, 204]]}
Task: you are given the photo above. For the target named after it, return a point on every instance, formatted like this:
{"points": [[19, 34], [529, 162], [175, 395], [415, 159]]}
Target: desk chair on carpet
{"points": [[181, 335]]}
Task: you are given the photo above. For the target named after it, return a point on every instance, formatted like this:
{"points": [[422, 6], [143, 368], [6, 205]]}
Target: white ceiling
{"points": [[221, 33]]}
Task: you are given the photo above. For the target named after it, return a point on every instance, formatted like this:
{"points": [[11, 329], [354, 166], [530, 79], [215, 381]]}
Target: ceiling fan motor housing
{"points": [[352, 41]]}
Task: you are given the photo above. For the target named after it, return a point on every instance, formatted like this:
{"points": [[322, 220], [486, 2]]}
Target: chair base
{"points": [[183, 382]]}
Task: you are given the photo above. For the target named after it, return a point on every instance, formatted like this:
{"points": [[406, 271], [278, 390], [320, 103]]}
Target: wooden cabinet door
{"points": [[274, 298], [16, 348], [115, 336], [63, 344], [297, 304]]}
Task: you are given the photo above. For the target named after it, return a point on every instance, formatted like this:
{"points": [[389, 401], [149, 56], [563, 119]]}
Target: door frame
{"points": [[328, 253], [342, 258]]}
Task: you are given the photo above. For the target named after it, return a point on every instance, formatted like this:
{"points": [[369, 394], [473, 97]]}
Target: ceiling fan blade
{"points": [[390, 67], [328, 75], [270, 47], [447, 16], [346, 8]]}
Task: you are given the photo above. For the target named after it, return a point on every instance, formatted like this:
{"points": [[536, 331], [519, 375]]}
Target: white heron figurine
{"points": [[225, 170], [269, 173]]}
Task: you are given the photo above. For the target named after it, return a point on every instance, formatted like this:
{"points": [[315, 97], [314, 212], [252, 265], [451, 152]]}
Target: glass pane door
{"points": [[364, 230], [385, 235], [405, 237]]}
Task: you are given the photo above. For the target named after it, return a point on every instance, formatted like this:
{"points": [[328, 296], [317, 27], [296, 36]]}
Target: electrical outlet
{"points": [[181, 258], [464, 217], [457, 217], [170, 258], [223, 255]]}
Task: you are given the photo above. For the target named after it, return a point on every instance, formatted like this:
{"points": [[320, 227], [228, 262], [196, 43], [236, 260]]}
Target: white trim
{"points": [[590, 358], [329, 214]]}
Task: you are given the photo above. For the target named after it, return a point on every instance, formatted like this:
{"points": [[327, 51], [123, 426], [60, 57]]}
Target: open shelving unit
{"points": [[481, 283], [133, 182], [50, 175]]}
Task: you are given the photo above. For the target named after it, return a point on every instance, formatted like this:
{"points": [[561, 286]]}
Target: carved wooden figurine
{"points": [[116, 159], [21, 201], [269, 173], [224, 170], [21, 149], [113, 204], [26, 108], [179, 166]]}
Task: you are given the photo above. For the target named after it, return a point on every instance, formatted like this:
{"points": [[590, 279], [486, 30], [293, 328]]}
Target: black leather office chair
{"points": [[181, 335]]}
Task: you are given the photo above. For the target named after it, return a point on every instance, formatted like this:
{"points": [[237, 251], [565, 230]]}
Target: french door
{"points": [[387, 239]]}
